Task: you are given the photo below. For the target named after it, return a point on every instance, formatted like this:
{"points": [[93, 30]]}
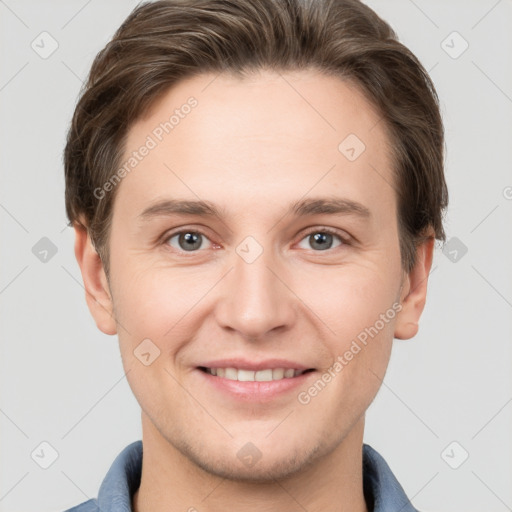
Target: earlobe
{"points": [[97, 292], [414, 292]]}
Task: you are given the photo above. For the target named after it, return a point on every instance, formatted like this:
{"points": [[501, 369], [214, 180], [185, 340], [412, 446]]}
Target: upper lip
{"points": [[244, 364]]}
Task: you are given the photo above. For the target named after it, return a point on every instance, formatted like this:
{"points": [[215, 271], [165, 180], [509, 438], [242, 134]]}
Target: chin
{"points": [[248, 464]]}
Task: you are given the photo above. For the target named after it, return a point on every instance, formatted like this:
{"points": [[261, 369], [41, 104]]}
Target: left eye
{"points": [[322, 240], [187, 240]]}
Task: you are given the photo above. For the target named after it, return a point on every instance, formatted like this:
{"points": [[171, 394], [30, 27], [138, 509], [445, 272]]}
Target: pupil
{"points": [[320, 238], [191, 241]]}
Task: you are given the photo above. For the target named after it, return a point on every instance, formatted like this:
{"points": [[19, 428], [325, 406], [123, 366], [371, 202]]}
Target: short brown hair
{"points": [[163, 42]]}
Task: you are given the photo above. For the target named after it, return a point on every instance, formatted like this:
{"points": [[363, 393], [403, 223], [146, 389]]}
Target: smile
{"points": [[264, 375]]}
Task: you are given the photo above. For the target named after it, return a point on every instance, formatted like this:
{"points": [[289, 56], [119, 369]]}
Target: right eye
{"points": [[186, 240]]}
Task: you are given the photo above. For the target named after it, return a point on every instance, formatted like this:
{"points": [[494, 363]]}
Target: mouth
{"points": [[263, 375], [253, 380]]}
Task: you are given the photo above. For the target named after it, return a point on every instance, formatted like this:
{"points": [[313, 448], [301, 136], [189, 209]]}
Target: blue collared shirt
{"points": [[382, 491]]}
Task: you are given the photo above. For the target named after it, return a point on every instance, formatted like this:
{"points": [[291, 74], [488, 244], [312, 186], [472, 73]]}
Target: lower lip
{"points": [[255, 391]]}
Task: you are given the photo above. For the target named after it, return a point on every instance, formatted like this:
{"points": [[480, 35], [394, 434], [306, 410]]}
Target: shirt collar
{"points": [[382, 490], [122, 480]]}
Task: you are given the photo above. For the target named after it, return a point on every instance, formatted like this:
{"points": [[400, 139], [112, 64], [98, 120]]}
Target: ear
{"points": [[414, 292], [97, 290]]}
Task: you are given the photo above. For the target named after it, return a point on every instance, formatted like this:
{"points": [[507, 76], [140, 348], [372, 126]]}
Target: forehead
{"points": [[271, 137]]}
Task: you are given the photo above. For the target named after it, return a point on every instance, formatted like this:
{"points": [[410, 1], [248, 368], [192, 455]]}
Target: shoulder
{"points": [[87, 506], [382, 490], [119, 485]]}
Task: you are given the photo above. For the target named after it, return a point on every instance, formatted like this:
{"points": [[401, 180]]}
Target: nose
{"points": [[257, 301]]}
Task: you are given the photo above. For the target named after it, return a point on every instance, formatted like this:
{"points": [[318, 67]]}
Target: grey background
{"points": [[62, 379]]}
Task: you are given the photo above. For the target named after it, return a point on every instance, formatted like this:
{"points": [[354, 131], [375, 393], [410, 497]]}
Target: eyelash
{"points": [[343, 239]]}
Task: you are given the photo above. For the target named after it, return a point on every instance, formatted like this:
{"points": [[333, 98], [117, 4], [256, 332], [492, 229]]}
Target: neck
{"points": [[170, 482]]}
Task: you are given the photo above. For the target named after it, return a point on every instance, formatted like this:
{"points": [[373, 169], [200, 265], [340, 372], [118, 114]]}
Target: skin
{"points": [[252, 146]]}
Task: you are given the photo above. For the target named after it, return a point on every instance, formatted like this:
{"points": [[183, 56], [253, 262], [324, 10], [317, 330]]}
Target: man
{"points": [[256, 189]]}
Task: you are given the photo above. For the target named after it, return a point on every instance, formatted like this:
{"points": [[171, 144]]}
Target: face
{"points": [[254, 248]]}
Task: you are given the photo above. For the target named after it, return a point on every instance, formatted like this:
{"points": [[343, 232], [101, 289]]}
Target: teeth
{"points": [[250, 375], [277, 373], [243, 375], [231, 374], [263, 375]]}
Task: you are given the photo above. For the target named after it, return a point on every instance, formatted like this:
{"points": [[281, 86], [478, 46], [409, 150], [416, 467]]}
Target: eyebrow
{"points": [[301, 208]]}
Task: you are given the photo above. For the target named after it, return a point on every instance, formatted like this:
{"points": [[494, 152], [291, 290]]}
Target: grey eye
{"points": [[321, 240], [187, 240]]}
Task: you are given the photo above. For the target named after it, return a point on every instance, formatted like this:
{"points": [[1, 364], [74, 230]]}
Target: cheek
{"points": [[360, 316], [166, 306], [152, 306], [358, 311], [351, 300], [152, 300]]}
